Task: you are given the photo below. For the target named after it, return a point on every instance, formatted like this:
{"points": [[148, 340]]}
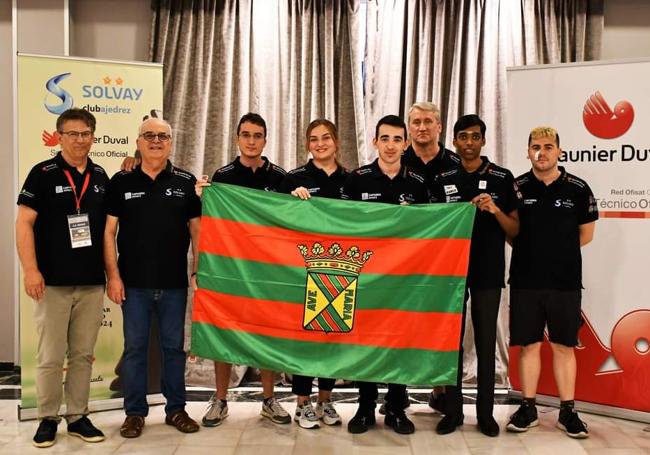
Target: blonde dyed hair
{"points": [[544, 131]]}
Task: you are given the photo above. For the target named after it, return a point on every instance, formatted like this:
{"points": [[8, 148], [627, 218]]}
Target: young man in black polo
{"points": [[59, 232], [492, 189], [251, 170], [158, 215], [558, 217], [385, 180]]}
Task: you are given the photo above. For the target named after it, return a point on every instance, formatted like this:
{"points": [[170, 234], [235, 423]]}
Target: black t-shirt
{"points": [[48, 191], [487, 258], [267, 177], [153, 235], [369, 183], [546, 253], [316, 180], [445, 160]]}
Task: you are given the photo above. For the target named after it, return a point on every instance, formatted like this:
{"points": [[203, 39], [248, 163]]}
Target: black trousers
{"points": [[394, 398], [484, 312], [301, 385]]}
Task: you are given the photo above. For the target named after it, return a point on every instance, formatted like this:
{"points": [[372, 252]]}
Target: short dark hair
{"points": [[467, 121], [255, 119], [76, 114], [391, 120]]}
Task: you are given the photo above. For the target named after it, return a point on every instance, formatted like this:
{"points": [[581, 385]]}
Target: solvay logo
{"points": [[52, 86], [602, 122], [558, 202], [168, 192]]}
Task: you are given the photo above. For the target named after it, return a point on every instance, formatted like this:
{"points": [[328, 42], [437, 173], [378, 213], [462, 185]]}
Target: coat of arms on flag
{"points": [[331, 287]]}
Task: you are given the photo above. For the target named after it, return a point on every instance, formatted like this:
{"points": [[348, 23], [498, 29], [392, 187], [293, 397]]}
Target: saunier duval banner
{"points": [[601, 111], [331, 288], [120, 95]]}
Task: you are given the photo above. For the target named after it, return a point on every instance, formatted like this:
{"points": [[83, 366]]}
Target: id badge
{"points": [[79, 226]]}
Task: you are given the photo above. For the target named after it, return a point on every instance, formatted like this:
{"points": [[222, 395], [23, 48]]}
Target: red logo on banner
{"points": [[604, 123], [627, 387], [50, 139]]}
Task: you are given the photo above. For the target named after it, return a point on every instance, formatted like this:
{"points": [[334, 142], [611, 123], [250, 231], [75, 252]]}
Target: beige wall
{"points": [[627, 29]]}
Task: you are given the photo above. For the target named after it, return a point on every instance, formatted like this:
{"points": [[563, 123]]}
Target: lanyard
{"points": [[74, 188]]}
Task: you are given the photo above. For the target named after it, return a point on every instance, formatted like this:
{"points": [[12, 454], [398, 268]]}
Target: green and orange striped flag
{"points": [[330, 288]]}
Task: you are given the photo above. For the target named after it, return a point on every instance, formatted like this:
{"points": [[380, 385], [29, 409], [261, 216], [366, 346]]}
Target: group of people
{"points": [[79, 233]]}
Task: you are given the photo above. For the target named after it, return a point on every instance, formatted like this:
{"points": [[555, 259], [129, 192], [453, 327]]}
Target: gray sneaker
{"points": [[306, 416], [326, 412], [272, 410], [216, 413]]}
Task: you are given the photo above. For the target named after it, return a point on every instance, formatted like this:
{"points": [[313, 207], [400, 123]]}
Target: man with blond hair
{"points": [[558, 209]]}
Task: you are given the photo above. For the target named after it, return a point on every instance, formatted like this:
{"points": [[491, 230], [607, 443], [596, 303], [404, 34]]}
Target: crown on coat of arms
{"points": [[334, 258]]}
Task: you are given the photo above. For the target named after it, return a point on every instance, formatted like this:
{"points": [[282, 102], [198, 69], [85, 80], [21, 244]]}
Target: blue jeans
{"points": [[137, 310]]}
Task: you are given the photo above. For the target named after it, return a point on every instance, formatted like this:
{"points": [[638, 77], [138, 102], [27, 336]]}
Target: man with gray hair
{"points": [[426, 153], [158, 215]]}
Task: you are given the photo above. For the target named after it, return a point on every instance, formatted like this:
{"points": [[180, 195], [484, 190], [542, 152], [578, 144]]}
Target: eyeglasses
{"points": [[246, 136], [151, 137], [75, 135]]}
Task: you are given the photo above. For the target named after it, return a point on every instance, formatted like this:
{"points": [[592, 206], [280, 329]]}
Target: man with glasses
{"points": [[158, 215], [59, 232], [251, 170]]}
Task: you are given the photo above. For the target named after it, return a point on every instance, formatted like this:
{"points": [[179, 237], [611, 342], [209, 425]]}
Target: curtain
{"points": [[291, 62], [455, 53]]}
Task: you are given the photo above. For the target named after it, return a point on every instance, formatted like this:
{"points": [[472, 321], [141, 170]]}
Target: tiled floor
{"points": [[245, 432]]}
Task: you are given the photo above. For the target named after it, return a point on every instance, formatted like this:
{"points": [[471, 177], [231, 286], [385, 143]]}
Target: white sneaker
{"points": [[216, 413], [306, 416], [273, 411], [326, 412]]}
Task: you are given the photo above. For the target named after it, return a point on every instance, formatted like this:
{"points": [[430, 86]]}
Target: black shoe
{"points": [[399, 422], [571, 424], [46, 433], [449, 423], [84, 429], [362, 420], [437, 402], [524, 418], [405, 404], [488, 426]]}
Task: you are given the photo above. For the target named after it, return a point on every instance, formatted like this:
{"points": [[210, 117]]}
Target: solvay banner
{"points": [[120, 95], [601, 111]]}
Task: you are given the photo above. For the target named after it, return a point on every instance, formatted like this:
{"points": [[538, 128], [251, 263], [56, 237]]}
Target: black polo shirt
{"points": [[546, 253], [487, 257], [267, 177], [153, 235], [445, 160], [48, 191], [316, 180], [369, 183]]}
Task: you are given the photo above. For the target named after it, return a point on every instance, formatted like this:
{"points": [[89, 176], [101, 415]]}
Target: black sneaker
{"points": [[437, 402], [399, 422], [46, 433], [571, 424], [362, 420], [449, 423], [524, 418], [84, 429]]}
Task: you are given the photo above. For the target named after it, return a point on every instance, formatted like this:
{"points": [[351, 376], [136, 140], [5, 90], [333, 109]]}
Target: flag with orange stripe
{"points": [[330, 288]]}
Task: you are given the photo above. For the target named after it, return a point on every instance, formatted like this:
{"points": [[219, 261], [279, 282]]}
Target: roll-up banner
{"points": [[120, 95], [601, 111]]}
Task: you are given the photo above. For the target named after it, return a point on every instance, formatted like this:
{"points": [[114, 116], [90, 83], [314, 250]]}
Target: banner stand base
{"points": [[110, 404], [591, 408]]}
